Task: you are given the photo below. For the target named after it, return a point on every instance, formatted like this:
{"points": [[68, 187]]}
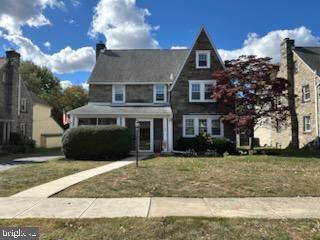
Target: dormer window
{"points": [[159, 93], [202, 59], [118, 93]]}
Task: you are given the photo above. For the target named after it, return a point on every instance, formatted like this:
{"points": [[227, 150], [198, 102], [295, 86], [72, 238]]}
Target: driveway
{"points": [[5, 165]]}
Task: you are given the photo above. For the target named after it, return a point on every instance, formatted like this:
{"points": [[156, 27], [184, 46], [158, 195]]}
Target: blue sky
{"points": [[237, 27]]}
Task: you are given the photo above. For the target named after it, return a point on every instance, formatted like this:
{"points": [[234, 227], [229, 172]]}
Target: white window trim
{"points": [[208, 53], [114, 93], [304, 99], [304, 124], [155, 93], [202, 90], [196, 118]]}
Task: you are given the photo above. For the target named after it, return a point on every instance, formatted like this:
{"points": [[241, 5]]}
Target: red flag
{"points": [[65, 119]]}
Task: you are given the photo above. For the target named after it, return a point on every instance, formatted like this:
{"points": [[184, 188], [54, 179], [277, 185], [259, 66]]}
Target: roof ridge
{"points": [[149, 49]]}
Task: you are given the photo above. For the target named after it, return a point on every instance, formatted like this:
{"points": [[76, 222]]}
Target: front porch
{"points": [[155, 133]]}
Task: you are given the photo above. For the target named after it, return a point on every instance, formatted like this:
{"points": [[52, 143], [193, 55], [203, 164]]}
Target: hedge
{"points": [[203, 143], [20, 144], [96, 142]]}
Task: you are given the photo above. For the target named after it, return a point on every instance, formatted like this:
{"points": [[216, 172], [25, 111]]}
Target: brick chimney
{"points": [[100, 47]]}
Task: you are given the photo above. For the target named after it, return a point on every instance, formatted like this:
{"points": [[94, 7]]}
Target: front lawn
{"points": [[233, 176], [26, 176], [171, 228]]}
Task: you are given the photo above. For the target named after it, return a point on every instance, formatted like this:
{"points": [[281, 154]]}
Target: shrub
{"points": [[96, 142], [20, 144], [205, 142]]}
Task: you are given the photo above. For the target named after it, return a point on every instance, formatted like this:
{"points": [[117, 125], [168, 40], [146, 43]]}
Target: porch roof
{"points": [[96, 109]]}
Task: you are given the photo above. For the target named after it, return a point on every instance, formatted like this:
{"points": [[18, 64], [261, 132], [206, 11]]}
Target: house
{"points": [[301, 66], [167, 90], [21, 111]]}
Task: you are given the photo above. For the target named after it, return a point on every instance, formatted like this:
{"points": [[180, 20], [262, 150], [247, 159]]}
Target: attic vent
{"points": [[171, 77]]}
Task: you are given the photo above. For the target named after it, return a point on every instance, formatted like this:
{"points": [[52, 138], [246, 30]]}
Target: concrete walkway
{"points": [[5, 165], [48, 189], [271, 208]]}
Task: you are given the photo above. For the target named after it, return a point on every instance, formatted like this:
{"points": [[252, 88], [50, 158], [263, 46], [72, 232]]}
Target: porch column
{"points": [[170, 133], [165, 146]]}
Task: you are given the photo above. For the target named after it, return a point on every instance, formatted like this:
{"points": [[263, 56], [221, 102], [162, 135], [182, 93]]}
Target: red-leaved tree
{"points": [[251, 84]]}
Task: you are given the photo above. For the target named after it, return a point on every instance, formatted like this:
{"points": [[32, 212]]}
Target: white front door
{"points": [[146, 135]]}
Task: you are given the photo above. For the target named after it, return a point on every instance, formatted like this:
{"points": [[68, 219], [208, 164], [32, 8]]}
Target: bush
{"points": [[203, 143], [20, 144], [96, 142]]}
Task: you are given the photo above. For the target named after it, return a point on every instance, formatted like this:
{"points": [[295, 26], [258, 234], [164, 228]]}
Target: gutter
{"points": [[316, 105]]}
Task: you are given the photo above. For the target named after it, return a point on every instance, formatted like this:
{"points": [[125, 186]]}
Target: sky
{"points": [[61, 35]]}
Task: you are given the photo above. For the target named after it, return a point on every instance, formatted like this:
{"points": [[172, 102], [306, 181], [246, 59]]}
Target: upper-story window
{"points": [[201, 90], [202, 59], [160, 93], [23, 105], [305, 93], [118, 93]]}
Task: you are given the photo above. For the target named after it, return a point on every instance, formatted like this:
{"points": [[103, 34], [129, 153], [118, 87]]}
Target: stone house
{"points": [[19, 107], [301, 66], [167, 91]]}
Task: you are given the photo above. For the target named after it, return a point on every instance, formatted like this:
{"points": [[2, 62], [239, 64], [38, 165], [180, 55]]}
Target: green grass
{"points": [[171, 228], [26, 176], [233, 176]]}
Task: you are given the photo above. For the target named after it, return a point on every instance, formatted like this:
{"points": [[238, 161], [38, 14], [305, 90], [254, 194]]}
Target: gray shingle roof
{"points": [[3, 61], [94, 109], [310, 55], [142, 65]]}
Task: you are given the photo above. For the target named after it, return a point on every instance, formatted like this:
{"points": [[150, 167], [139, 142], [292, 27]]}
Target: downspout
{"points": [[316, 105], [19, 94]]}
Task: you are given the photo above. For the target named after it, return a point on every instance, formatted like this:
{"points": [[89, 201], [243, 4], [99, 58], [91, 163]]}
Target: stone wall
{"points": [[180, 93]]}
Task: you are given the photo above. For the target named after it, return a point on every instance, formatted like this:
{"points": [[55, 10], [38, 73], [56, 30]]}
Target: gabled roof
{"points": [[138, 65], [310, 55]]}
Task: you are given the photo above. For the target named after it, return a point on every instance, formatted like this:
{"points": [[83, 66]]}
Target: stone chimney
{"points": [[13, 56], [100, 47], [287, 70]]}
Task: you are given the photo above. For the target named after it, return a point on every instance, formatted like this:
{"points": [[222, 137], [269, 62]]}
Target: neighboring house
{"points": [[21, 111], [301, 66], [167, 91]]}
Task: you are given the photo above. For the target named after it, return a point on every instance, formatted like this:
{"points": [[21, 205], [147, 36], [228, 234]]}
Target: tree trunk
{"points": [[251, 139]]}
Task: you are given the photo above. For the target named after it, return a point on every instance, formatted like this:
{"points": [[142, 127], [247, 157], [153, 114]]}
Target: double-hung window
{"points": [[118, 93], [194, 125], [307, 124], [203, 59], [160, 93], [305, 93], [201, 90], [23, 105]]}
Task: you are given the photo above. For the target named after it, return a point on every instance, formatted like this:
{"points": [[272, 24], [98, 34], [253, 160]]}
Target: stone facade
{"points": [[299, 74], [180, 93], [12, 89]]}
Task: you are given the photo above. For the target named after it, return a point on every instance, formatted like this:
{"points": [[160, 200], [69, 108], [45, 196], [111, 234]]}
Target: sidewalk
{"points": [[271, 208], [48, 189]]}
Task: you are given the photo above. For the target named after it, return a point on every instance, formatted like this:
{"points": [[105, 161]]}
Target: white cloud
{"points": [[75, 3], [85, 86], [123, 24], [30, 13], [179, 47], [65, 84], [269, 44], [65, 61], [47, 45], [13, 15]]}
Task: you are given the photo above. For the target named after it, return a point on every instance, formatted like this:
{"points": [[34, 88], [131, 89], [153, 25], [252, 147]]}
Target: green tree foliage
{"points": [[45, 84]]}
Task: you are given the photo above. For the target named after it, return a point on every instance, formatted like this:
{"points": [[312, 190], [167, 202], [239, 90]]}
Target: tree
{"points": [[45, 84], [39, 80], [251, 84]]}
